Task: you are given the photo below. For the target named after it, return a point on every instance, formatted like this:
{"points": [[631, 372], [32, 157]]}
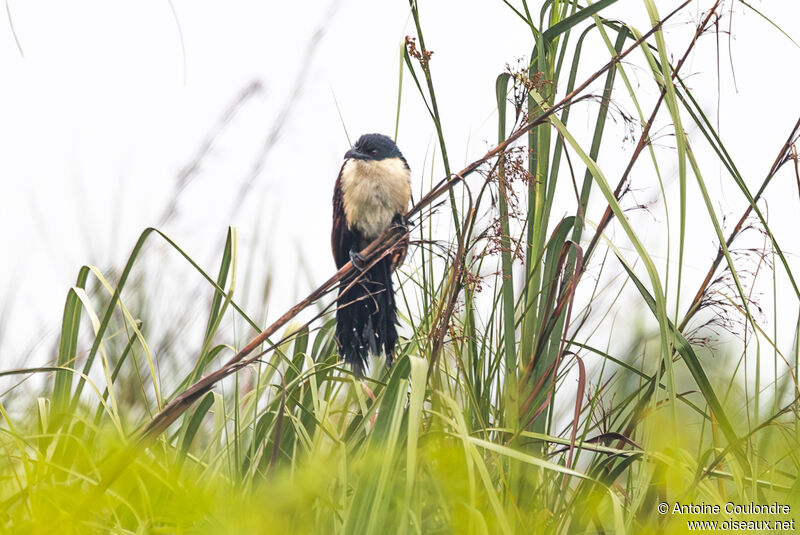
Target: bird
{"points": [[371, 193]]}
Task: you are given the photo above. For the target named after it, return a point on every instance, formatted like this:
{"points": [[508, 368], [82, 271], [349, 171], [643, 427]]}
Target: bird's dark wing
{"points": [[342, 239]]}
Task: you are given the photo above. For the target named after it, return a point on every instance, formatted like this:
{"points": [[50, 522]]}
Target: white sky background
{"points": [[103, 111]]}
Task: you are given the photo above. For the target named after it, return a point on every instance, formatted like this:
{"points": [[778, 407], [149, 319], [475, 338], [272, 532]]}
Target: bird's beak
{"points": [[352, 153]]}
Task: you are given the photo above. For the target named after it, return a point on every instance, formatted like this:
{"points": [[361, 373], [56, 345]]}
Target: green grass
{"points": [[527, 397]]}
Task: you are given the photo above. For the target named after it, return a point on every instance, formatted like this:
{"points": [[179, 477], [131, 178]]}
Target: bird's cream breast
{"points": [[374, 191]]}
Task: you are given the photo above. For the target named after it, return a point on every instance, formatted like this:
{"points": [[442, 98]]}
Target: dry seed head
{"points": [[524, 83], [423, 56]]}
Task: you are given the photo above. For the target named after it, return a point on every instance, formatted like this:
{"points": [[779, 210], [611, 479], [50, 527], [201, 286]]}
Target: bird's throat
{"points": [[373, 193]]}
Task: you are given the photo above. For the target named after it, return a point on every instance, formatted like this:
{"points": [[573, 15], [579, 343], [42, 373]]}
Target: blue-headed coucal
{"points": [[372, 192]]}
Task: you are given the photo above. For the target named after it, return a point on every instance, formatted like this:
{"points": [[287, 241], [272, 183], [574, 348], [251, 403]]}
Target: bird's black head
{"points": [[374, 147]]}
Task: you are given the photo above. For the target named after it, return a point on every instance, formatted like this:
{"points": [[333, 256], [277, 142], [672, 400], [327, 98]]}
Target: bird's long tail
{"points": [[366, 317]]}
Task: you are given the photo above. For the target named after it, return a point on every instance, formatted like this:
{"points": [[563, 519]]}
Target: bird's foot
{"points": [[358, 261], [402, 223]]}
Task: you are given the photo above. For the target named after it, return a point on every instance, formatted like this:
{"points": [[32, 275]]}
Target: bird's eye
{"points": [[373, 152]]}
